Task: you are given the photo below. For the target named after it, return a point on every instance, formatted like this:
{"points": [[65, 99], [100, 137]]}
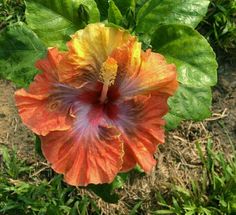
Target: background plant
{"points": [[214, 194], [219, 25], [11, 11], [23, 192]]}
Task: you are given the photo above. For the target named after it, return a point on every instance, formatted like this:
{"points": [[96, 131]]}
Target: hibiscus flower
{"points": [[98, 108]]}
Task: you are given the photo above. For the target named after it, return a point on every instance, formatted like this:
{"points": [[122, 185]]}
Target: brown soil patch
{"points": [[12, 132], [178, 161]]}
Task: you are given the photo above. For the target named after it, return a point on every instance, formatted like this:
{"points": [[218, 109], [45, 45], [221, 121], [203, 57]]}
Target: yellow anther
{"points": [[107, 76], [109, 71]]}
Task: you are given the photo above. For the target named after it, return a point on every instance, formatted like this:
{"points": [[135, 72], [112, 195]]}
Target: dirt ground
{"points": [[178, 161]]}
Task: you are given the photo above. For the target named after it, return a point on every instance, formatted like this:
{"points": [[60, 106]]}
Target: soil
{"points": [[178, 160]]}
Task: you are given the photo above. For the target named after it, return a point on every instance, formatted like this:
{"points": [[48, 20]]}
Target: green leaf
{"points": [[122, 12], [55, 20], [107, 191], [163, 212], [20, 48], [37, 146], [197, 71], [103, 6], [140, 3], [190, 52], [191, 103], [124, 5], [172, 121], [156, 12], [83, 14], [134, 210], [114, 14]]}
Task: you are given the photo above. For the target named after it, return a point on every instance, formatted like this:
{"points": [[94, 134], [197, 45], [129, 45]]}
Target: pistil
{"points": [[107, 75], [104, 93]]}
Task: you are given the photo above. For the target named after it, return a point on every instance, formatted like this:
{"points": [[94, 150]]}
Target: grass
{"points": [[215, 193], [24, 192], [11, 11], [219, 25]]}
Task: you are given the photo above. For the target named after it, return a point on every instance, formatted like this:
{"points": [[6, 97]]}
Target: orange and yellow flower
{"points": [[98, 107]]}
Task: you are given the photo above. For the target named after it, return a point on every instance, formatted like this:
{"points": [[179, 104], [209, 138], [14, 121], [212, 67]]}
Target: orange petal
{"points": [[157, 74], [88, 49], [42, 83], [128, 57], [39, 114], [142, 130], [91, 159], [129, 159], [153, 76], [37, 108]]}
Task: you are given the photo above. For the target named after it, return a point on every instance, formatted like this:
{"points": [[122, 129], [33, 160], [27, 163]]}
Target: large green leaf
{"points": [[55, 20], [114, 14], [191, 53], [20, 48], [172, 121], [191, 102], [156, 12], [197, 71], [139, 4]]}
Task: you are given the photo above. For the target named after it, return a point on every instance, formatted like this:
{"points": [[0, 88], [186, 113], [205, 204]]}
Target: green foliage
{"points": [[136, 207], [107, 191], [114, 14], [103, 6], [214, 194], [196, 68], [122, 13], [219, 26], [37, 146], [11, 11], [125, 5], [191, 103], [156, 12], [20, 48], [196, 64], [23, 193], [13, 167], [55, 20]]}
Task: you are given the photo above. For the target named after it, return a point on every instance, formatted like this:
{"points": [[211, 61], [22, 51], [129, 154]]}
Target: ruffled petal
{"points": [[39, 109], [88, 49], [151, 75], [43, 82], [41, 114], [128, 57], [141, 124], [84, 158]]}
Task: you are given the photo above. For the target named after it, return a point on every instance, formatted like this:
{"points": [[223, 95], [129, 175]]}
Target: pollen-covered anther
{"points": [[108, 71], [108, 75]]}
